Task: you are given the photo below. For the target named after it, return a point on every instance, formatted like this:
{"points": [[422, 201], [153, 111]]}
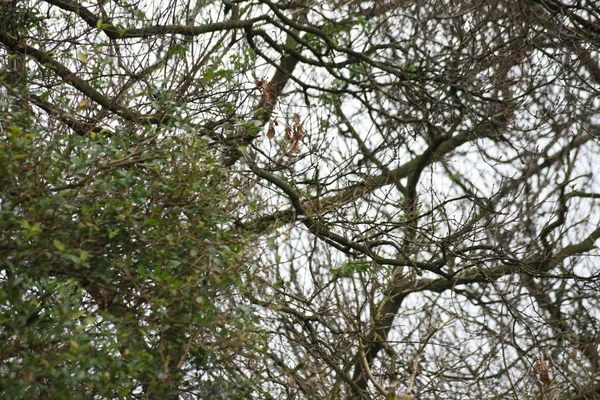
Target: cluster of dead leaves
{"points": [[266, 89], [294, 133]]}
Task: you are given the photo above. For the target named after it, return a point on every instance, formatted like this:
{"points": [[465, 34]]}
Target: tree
{"points": [[257, 199]]}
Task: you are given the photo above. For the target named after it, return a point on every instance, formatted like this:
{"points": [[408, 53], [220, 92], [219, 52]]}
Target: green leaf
{"points": [[81, 56], [58, 244]]}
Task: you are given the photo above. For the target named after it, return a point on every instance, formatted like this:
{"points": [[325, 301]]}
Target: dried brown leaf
{"points": [[298, 130], [542, 371], [295, 134], [268, 91], [295, 148], [271, 131]]}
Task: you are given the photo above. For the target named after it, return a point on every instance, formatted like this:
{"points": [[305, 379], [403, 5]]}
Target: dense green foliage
{"points": [[120, 264]]}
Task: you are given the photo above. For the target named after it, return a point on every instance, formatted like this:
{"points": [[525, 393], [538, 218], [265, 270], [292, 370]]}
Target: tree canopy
{"points": [[292, 199]]}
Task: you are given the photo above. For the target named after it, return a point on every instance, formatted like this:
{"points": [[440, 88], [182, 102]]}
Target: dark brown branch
{"points": [[115, 32]]}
